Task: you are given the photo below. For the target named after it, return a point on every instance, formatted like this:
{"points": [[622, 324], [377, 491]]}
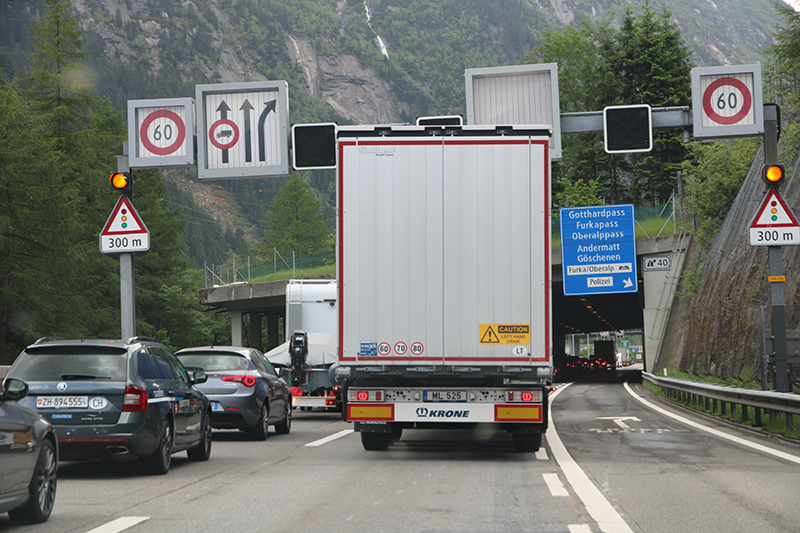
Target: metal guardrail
{"points": [[684, 390]]}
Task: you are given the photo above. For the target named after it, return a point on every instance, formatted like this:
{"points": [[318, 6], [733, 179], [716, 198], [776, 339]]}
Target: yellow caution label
{"points": [[504, 333], [776, 279], [370, 412], [518, 413]]}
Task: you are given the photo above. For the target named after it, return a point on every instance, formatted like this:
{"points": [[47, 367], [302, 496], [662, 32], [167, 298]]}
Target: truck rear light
{"points": [[365, 395], [134, 400], [524, 396], [247, 380], [331, 402]]}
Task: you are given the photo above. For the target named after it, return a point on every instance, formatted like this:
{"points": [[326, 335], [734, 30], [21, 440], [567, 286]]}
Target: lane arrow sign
{"points": [[247, 107], [627, 283], [618, 420], [223, 114], [262, 142]]}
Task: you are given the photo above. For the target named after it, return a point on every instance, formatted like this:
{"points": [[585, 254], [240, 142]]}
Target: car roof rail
{"points": [[140, 338], [46, 339]]}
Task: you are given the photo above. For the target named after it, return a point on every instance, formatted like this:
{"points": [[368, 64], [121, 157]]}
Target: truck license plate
{"points": [[444, 396]]}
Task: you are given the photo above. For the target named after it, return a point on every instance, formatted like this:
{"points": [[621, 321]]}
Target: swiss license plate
{"points": [[216, 406], [62, 402], [444, 396]]}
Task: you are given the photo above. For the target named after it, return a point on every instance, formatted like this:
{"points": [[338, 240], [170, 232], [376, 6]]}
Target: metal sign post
{"points": [[776, 265], [127, 285]]}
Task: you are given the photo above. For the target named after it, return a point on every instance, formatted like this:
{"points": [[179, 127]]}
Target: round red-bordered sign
{"points": [[384, 348], [217, 124], [417, 348], [400, 348], [747, 101], [165, 150]]}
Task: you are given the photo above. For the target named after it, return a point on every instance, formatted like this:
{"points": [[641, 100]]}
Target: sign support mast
{"points": [[127, 285], [777, 300]]}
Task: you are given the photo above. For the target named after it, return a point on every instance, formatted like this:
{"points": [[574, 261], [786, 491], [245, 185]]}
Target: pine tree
{"points": [[294, 220]]}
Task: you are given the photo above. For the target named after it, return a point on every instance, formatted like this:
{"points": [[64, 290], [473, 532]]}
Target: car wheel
{"points": [[261, 429], [42, 489], [160, 461], [202, 452], [286, 426]]}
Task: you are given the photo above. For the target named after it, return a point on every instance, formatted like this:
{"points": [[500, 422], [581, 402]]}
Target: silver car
{"points": [[28, 458], [246, 392]]}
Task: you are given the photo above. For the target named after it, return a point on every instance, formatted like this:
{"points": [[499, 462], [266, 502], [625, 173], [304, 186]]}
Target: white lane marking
{"points": [[579, 528], [607, 518], [120, 524], [716, 432], [541, 454], [555, 485], [320, 442]]}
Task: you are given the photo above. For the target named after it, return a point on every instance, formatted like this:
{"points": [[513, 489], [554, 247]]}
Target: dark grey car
{"points": [[246, 392], [117, 399], [28, 458]]}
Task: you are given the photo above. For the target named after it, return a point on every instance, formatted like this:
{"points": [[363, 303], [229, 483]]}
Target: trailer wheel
{"points": [[527, 442], [397, 432], [376, 442]]}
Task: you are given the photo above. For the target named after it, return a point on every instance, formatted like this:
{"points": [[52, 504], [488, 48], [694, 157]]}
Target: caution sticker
{"points": [[505, 333]]}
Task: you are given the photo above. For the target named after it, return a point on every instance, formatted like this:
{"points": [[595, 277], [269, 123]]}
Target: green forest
{"points": [[63, 125]]}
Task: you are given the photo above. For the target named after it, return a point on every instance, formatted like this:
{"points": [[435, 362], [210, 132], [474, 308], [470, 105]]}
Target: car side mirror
{"points": [[199, 377], [14, 390]]}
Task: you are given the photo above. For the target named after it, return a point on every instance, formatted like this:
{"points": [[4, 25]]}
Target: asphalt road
{"points": [[657, 474]]}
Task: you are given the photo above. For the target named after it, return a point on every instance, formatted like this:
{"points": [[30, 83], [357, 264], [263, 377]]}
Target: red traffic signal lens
{"points": [[120, 180], [773, 174]]}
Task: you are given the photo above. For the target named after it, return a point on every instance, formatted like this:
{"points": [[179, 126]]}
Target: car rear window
{"points": [[215, 362], [71, 363]]}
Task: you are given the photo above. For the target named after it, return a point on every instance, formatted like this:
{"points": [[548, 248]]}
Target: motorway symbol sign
{"points": [[243, 130], [774, 223], [161, 132], [598, 250], [726, 101], [656, 262], [124, 230]]}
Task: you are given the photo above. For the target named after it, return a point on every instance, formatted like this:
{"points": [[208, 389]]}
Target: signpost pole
{"points": [[776, 265], [127, 299]]}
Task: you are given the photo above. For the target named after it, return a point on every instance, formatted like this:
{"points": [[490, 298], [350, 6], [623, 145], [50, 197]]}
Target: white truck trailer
{"points": [[444, 279], [308, 358]]}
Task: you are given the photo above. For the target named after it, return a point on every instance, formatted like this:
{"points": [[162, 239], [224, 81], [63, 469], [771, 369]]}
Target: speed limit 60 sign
{"points": [[161, 133], [727, 102]]}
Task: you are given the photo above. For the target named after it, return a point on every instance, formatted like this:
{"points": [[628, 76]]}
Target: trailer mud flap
{"points": [[372, 427]]}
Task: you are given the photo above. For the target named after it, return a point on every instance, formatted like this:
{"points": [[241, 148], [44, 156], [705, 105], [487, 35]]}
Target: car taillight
{"points": [[135, 399], [247, 380]]}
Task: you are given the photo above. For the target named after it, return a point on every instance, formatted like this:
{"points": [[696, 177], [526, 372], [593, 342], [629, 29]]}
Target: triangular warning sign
{"points": [[490, 337], [124, 220], [774, 213]]}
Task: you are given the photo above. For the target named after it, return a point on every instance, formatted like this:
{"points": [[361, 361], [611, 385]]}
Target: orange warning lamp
{"points": [[774, 175], [121, 181]]}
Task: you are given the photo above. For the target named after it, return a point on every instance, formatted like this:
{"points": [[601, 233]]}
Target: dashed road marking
{"points": [[554, 484], [329, 438], [120, 524]]}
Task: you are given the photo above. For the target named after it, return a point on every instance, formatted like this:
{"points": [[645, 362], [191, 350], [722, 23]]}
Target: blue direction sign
{"points": [[598, 250]]}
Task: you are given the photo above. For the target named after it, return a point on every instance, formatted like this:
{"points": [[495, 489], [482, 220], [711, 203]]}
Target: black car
{"points": [[28, 458], [117, 399], [246, 392]]}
